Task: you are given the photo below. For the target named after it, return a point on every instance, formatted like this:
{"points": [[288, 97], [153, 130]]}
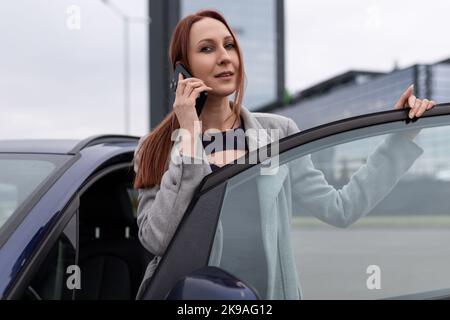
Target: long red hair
{"points": [[154, 153]]}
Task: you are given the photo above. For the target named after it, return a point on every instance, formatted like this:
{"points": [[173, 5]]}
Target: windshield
{"points": [[21, 176]]}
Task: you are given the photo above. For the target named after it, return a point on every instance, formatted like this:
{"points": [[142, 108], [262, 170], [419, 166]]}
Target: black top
{"points": [[233, 139]]}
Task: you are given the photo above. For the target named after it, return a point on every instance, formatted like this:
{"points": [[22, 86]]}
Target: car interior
{"points": [[111, 258]]}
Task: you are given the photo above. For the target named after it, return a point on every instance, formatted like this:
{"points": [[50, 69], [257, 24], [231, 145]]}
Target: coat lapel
{"points": [[256, 134], [269, 187]]}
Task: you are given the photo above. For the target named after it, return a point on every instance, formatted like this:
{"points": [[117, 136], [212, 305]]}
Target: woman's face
{"points": [[212, 51]]}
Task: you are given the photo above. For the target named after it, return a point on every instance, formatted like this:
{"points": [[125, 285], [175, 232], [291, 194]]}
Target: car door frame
{"points": [[190, 247], [43, 240], [68, 213], [21, 282]]}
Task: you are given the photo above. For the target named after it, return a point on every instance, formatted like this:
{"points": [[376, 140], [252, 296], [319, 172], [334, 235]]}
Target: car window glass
{"points": [[18, 180], [51, 281], [355, 215], [21, 176]]}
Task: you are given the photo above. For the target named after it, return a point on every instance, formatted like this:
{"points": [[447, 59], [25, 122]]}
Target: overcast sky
{"points": [[61, 82], [326, 37]]}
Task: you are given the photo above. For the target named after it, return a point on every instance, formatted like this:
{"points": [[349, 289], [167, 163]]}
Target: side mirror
{"points": [[211, 283]]}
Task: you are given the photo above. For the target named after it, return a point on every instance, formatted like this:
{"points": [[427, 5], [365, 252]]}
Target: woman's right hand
{"points": [[188, 90]]}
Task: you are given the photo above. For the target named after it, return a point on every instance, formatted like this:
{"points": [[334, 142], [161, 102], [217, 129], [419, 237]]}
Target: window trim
{"points": [[195, 234], [17, 288], [441, 294]]}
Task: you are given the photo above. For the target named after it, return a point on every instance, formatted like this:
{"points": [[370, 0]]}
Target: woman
{"points": [[167, 174]]}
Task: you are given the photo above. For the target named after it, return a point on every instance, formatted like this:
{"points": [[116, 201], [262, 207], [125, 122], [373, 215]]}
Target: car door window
{"points": [[50, 282], [361, 214]]}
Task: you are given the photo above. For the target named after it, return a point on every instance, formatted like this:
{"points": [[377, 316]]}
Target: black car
{"points": [[68, 209]]}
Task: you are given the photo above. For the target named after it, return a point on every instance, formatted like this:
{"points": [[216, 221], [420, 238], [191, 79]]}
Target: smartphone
{"points": [[200, 101]]}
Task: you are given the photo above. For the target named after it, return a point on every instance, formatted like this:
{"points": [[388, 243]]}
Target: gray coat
{"points": [[161, 208]]}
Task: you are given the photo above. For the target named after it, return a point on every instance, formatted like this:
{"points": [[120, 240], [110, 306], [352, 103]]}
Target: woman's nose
{"points": [[224, 56]]}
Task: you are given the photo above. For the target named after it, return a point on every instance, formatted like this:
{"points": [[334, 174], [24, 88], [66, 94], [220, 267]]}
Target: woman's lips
{"points": [[228, 77]]}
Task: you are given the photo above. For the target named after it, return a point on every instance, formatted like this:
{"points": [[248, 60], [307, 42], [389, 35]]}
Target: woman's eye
{"points": [[209, 49]]}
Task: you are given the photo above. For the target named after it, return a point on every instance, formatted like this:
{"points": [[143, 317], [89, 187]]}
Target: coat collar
{"points": [[257, 136], [250, 122]]}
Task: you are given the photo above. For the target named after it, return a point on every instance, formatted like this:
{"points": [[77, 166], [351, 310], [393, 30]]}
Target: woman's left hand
{"points": [[418, 106]]}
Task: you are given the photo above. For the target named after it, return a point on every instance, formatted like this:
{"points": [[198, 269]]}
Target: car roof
{"points": [[38, 146], [60, 146]]}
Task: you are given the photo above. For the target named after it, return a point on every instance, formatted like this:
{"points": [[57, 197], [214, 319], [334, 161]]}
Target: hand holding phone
{"points": [[200, 101]]}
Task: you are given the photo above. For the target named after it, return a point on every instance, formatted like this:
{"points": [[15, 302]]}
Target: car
{"points": [[68, 209]]}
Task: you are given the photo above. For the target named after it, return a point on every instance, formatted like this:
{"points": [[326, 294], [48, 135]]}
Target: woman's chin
{"points": [[221, 92]]}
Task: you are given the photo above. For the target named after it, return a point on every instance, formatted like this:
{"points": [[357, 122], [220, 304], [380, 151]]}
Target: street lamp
{"points": [[126, 19]]}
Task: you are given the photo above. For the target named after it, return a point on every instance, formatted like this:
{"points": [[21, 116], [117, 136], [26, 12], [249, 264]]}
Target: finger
{"points": [[414, 108], [194, 83], [431, 104], [180, 85], [196, 92], [189, 80], [194, 79], [191, 86], [422, 108], [404, 97], [411, 101]]}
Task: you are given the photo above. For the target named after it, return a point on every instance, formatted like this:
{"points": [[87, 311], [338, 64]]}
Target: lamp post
{"points": [[126, 19]]}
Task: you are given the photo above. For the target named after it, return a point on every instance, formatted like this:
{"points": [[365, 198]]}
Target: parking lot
{"points": [[332, 263]]}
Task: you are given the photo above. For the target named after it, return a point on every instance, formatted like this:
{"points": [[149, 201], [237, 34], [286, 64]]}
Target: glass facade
{"points": [[346, 101], [379, 93], [440, 82], [257, 36]]}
